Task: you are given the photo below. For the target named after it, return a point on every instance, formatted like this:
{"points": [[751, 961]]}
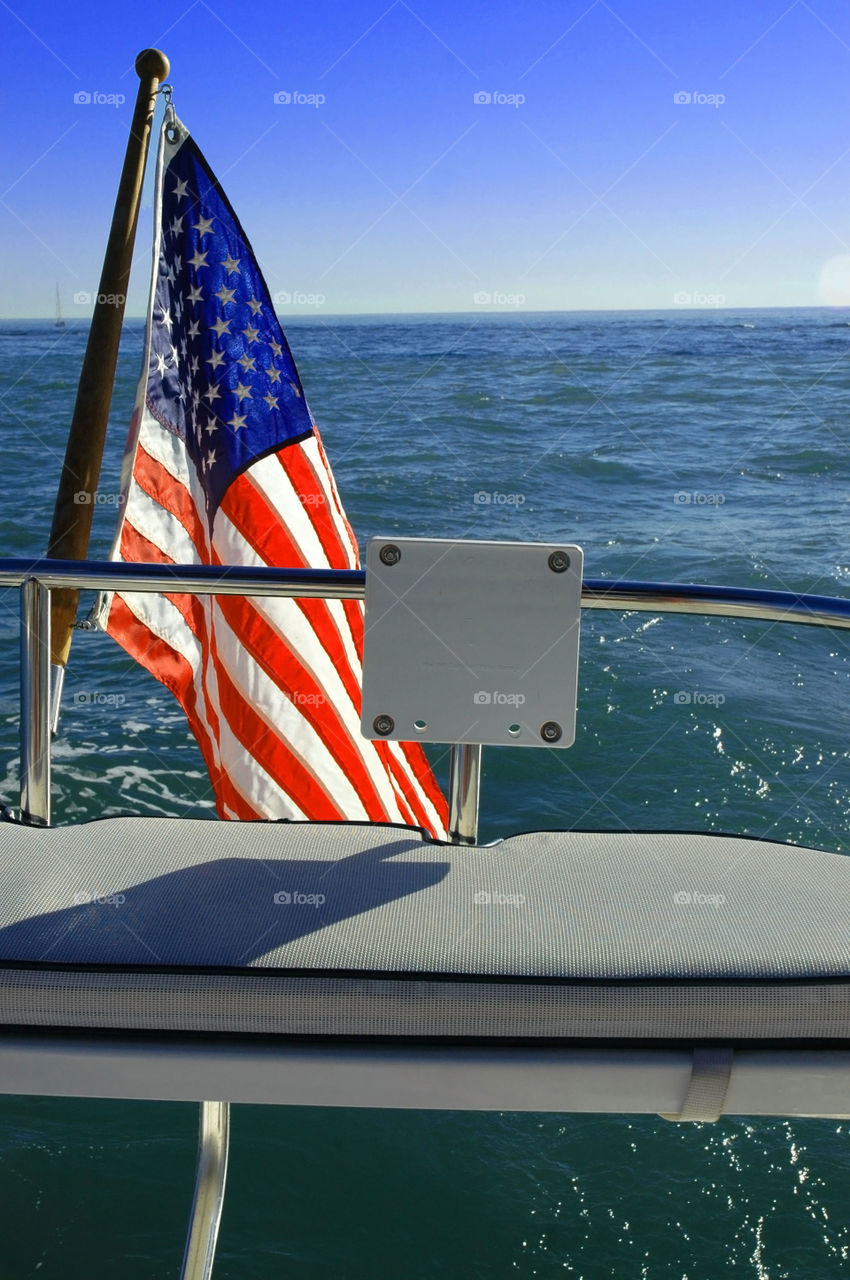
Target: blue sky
{"points": [[582, 183]]}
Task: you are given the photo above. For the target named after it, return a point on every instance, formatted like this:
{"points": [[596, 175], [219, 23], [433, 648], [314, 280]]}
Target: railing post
{"points": [[464, 787], [35, 703], [210, 1179]]}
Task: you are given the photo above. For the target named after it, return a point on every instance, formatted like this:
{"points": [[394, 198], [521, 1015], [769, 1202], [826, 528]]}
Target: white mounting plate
{"points": [[471, 642]]}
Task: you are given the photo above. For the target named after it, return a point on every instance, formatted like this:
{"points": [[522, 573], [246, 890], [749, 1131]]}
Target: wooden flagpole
{"points": [[72, 514]]}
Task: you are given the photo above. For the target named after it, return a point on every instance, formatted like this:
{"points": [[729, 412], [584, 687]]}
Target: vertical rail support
{"points": [[35, 703], [464, 788], [210, 1179]]}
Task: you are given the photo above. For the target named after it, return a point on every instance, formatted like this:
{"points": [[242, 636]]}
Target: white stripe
{"points": [[167, 449], [159, 526]]}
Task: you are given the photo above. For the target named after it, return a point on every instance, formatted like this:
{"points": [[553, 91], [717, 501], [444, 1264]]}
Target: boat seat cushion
{"points": [[302, 929]]}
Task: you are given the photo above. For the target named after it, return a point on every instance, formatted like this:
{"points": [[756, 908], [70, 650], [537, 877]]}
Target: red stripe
{"points": [[136, 547], [343, 517], [264, 531], [288, 672], [158, 483], [272, 754], [403, 783], [315, 497], [417, 762], [175, 672]]}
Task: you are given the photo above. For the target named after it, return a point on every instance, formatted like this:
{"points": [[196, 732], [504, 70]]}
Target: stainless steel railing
{"points": [[37, 578]]}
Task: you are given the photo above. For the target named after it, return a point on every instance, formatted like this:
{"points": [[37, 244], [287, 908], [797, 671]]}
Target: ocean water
{"points": [[690, 446]]}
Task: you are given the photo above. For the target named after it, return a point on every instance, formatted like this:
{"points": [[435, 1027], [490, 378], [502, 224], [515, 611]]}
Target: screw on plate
{"points": [[385, 724], [551, 732], [390, 554], [559, 562]]}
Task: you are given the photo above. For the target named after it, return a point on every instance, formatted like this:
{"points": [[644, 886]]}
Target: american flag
{"points": [[224, 465]]}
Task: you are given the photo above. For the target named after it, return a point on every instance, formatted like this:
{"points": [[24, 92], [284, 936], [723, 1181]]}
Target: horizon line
{"points": [[315, 312]]}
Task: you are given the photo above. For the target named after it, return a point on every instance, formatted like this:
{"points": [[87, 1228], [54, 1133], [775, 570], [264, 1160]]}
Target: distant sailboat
{"points": [[60, 323]]}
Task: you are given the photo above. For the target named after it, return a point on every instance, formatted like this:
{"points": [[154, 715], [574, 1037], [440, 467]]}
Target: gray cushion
{"points": [[324, 929]]}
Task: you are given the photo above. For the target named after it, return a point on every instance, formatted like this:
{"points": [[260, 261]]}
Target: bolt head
{"points": [[559, 562], [550, 731], [383, 725], [390, 554]]}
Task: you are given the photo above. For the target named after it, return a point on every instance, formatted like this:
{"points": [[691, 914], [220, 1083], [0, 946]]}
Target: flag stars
{"points": [[231, 265], [212, 393], [270, 400], [166, 319], [195, 293], [276, 348], [273, 373], [248, 363], [210, 428], [203, 226], [161, 364], [176, 226], [251, 334], [255, 307], [296, 390], [193, 329], [198, 260], [215, 358], [225, 295], [237, 421], [242, 392], [221, 326], [180, 189]]}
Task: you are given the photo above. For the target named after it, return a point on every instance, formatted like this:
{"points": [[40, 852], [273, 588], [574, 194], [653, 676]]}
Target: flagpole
{"points": [[72, 514]]}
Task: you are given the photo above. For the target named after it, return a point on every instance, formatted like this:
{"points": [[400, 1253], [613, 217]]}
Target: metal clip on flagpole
{"points": [[72, 515]]}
